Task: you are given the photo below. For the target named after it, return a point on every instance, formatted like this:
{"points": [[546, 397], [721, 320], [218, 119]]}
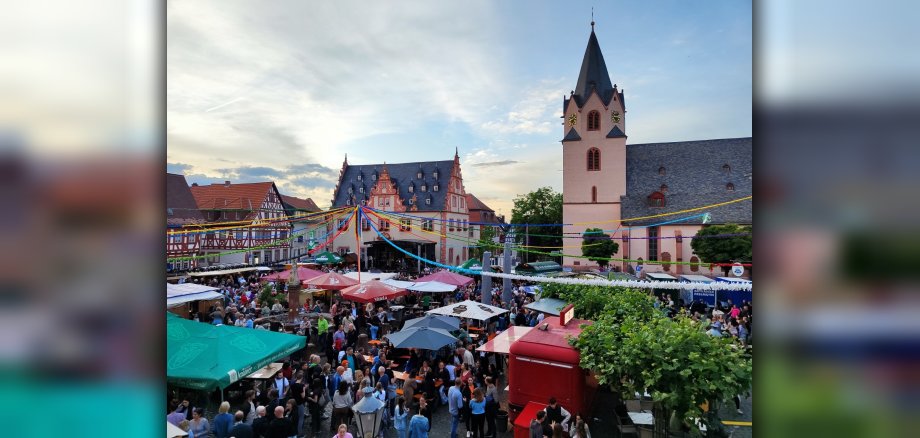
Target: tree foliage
{"points": [[723, 249], [594, 302], [598, 246], [542, 206], [486, 242]]}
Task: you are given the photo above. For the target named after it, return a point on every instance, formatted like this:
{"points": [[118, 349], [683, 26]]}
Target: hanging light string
{"points": [[530, 251], [270, 244], [639, 284], [673, 213], [256, 223], [296, 216]]}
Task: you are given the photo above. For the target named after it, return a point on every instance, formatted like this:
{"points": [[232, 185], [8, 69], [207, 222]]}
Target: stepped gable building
{"points": [[606, 179], [432, 191]]}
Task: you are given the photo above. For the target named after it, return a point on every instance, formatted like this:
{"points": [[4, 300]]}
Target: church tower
{"points": [[593, 153]]}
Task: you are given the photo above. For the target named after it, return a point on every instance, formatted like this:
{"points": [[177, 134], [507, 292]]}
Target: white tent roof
{"points": [[469, 309], [229, 271], [699, 278], [172, 431], [432, 286], [659, 276], [368, 276], [177, 294], [397, 283]]}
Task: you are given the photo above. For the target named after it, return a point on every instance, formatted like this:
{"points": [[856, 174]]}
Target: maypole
{"points": [[358, 240]]}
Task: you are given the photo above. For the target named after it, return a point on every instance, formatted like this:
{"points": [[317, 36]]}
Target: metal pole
{"points": [[506, 266], [486, 280]]}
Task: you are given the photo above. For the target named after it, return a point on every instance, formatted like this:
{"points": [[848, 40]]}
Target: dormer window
{"points": [[411, 201], [730, 187], [434, 187], [361, 189], [351, 190], [374, 177], [435, 174], [359, 177], [726, 169], [348, 201], [661, 170], [424, 187], [428, 201], [656, 199], [664, 188], [411, 188], [419, 174]]}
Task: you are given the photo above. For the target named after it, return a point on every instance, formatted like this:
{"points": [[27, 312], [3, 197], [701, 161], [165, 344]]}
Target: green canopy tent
{"points": [[538, 268], [206, 357], [471, 264], [328, 258]]}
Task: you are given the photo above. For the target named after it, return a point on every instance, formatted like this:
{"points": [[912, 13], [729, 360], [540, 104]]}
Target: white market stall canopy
{"points": [[368, 276], [177, 294], [501, 343], [397, 283], [432, 286], [469, 309], [173, 431], [658, 276], [229, 271]]}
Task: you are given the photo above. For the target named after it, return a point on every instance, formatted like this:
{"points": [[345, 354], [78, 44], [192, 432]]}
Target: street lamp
{"points": [[368, 414]]}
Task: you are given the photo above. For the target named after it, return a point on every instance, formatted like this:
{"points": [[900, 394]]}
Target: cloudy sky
{"points": [[282, 90]]}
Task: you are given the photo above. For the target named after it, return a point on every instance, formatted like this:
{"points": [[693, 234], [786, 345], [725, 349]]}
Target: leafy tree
{"points": [[485, 243], [723, 249], [268, 295], [542, 206], [676, 361], [598, 246], [593, 302]]}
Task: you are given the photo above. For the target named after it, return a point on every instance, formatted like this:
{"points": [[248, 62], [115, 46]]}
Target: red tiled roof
{"points": [[473, 203], [300, 204], [221, 196], [181, 208]]}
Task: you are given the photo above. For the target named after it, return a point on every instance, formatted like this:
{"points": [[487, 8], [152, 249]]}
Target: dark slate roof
{"points": [[593, 75], [616, 132], [695, 177], [572, 135], [402, 175], [181, 208]]}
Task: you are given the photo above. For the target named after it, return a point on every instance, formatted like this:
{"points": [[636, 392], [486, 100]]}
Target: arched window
{"points": [[664, 188], [661, 170], [726, 168], [594, 121], [593, 194], [730, 187], [656, 199], [694, 267], [594, 159]]}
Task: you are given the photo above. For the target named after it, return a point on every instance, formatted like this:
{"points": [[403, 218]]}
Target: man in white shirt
{"points": [[468, 356]]}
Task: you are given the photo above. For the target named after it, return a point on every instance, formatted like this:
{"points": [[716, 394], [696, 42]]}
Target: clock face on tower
{"points": [[615, 116], [573, 119]]}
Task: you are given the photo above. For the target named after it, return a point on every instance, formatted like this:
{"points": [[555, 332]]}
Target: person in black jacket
{"points": [[280, 427], [240, 429], [260, 424]]}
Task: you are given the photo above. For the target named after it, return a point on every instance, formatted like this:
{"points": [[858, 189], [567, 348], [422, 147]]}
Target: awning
{"points": [[432, 286], [368, 276], [397, 283], [501, 343], [694, 278], [173, 431], [204, 356], [657, 276], [177, 294], [537, 268], [447, 277], [469, 309], [229, 271], [549, 306]]}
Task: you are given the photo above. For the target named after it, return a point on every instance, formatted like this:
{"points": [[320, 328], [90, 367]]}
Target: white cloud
{"points": [[534, 113]]}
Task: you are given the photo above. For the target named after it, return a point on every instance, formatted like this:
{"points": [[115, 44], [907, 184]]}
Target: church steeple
{"points": [[593, 75]]}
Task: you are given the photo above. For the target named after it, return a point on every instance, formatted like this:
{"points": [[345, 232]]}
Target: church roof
{"points": [[403, 175], [572, 135], [695, 176], [616, 132], [593, 75]]}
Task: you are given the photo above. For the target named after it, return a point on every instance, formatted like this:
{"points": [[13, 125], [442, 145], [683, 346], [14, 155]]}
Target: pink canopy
{"points": [[331, 281], [446, 277], [372, 291], [302, 273]]}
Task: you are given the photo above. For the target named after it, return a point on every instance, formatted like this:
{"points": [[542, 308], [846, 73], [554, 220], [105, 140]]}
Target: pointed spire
{"points": [[592, 18], [593, 74], [346, 158]]}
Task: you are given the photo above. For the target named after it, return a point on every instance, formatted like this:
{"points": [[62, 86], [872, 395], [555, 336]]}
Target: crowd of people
{"points": [[344, 368]]}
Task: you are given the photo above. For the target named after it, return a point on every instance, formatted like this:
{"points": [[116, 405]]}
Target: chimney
{"points": [[194, 184], [226, 183]]}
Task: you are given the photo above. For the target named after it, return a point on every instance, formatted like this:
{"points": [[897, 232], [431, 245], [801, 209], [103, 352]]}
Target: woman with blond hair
{"points": [[478, 411], [223, 421]]}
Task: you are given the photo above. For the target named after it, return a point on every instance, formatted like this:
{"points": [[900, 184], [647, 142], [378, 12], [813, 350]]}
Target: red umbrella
{"points": [[331, 281], [446, 277], [302, 273], [372, 291]]}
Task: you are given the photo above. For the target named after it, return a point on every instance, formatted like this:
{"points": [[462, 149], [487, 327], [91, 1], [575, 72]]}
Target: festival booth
{"points": [[183, 298], [737, 296], [537, 268], [661, 276], [542, 364], [689, 296]]}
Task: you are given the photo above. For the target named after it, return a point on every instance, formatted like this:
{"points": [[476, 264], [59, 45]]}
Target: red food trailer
{"points": [[542, 364]]}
